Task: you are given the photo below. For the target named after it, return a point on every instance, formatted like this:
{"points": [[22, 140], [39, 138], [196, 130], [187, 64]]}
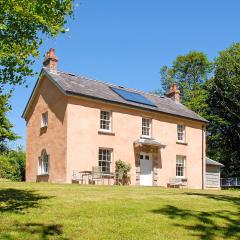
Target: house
{"points": [[75, 123]]}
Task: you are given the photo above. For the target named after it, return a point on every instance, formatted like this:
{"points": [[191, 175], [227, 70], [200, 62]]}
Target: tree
{"points": [[224, 105], [6, 133], [12, 164], [190, 72], [23, 23]]}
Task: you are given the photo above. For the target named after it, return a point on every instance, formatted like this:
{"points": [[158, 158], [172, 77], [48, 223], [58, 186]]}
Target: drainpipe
{"points": [[203, 155]]}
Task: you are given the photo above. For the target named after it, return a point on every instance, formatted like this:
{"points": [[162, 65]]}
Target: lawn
{"points": [[51, 211]]}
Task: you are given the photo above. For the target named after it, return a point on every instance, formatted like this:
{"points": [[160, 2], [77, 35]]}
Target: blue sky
{"points": [[127, 41]]}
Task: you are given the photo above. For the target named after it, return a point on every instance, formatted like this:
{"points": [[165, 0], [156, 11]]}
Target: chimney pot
{"points": [[50, 61], [174, 93]]}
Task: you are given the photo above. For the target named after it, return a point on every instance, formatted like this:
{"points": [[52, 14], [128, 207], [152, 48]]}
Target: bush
{"points": [[122, 169], [12, 165]]}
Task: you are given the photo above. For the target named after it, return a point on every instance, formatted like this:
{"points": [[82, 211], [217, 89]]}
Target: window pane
{"points": [[44, 119], [180, 166], [105, 120], [104, 161], [43, 163], [146, 127], [180, 132]]}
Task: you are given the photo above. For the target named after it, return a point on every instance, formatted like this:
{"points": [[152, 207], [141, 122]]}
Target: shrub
{"points": [[122, 169], [12, 165]]}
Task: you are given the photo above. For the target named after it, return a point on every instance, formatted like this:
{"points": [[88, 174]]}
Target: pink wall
{"points": [[83, 139], [53, 139]]}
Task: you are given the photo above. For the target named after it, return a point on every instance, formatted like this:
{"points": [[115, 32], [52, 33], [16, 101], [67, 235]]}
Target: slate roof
{"points": [[209, 161], [83, 86]]}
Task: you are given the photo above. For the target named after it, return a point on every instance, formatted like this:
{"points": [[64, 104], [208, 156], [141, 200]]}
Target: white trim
{"points": [[181, 157], [111, 158], [44, 119], [183, 133], [41, 166], [150, 128], [110, 121]]}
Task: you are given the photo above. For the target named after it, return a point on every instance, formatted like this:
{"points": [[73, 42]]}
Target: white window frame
{"points": [[146, 128], [104, 157], [181, 133], [106, 121], [43, 163], [44, 121], [180, 166]]}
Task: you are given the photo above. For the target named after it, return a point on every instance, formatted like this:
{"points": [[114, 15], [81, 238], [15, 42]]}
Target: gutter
{"points": [[203, 163]]}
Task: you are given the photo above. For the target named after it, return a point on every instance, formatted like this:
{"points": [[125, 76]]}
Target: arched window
{"points": [[44, 163]]}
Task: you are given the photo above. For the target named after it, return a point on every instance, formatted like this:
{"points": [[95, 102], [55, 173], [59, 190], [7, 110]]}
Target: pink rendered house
{"points": [[75, 123]]}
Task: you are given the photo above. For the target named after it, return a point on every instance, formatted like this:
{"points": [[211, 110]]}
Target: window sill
{"points": [[106, 133], [182, 143], [44, 174], [183, 179], [143, 136], [43, 130]]}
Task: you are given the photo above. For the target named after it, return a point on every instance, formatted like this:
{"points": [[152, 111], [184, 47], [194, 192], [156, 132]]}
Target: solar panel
{"points": [[133, 97]]}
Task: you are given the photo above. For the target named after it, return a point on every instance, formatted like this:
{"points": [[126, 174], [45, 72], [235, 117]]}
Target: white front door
{"points": [[146, 165]]}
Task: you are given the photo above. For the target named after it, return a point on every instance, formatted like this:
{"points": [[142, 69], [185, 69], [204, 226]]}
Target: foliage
{"points": [[6, 133], [23, 24], [122, 167], [216, 98], [12, 164], [224, 105], [190, 72]]}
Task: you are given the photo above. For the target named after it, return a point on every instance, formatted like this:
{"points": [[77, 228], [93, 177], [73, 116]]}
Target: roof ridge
{"points": [[113, 85]]}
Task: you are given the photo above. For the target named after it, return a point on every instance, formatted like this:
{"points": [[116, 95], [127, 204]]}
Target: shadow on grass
{"points": [[15, 200], [207, 224], [33, 230], [18, 201]]}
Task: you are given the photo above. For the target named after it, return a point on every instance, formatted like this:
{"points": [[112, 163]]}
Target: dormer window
{"points": [[44, 119], [146, 127], [105, 121]]}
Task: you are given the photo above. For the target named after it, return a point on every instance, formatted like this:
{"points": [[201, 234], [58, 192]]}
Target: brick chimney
{"points": [[174, 93], [50, 61]]}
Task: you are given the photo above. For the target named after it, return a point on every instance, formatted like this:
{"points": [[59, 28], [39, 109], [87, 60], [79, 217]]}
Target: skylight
{"points": [[133, 97]]}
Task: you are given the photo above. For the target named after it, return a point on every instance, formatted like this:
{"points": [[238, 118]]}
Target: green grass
{"points": [[4, 180], [51, 211]]}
